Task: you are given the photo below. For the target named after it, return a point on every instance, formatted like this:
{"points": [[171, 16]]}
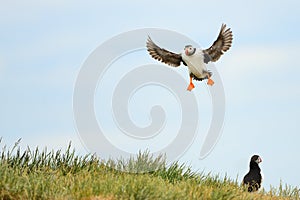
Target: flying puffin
{"points": [[194, 58], [253, 178]]}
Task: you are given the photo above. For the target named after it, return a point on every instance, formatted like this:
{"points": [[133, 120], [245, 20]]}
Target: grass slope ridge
{"points": [[35, 174]]}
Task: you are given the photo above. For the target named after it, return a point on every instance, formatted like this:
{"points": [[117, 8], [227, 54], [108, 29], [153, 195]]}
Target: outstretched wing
{"points": [[163, 55], [222, 44]]}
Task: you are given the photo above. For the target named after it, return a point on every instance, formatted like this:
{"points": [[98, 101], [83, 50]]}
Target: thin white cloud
{"points": [[245, 60], [53, 141], [255, 73]]}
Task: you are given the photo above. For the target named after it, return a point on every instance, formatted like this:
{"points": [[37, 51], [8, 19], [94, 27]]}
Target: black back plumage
{"points": [[253, 178]]}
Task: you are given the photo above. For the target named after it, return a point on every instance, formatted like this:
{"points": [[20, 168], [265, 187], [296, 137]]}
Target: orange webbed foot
{"points": [[210, 82], [190, 87]]}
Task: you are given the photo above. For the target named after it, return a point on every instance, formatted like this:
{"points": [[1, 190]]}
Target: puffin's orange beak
{"points": [[186, 52]]}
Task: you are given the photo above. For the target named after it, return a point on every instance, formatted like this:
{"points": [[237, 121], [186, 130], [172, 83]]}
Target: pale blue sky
{"points": [[43, 46]]}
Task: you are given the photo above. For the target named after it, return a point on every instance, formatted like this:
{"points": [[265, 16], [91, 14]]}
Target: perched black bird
{"points": [[253, 178]]}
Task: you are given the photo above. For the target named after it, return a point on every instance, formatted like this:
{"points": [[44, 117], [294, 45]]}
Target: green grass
{"points": [[35, 174]]}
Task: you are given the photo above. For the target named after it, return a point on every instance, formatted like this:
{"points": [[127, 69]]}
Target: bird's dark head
{"points": [[189, 50], [256, 158]]}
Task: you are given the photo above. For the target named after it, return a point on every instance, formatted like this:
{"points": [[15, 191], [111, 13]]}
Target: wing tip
{"points": [[227, 33], [149, 38], [150, 44], [224, 29]]}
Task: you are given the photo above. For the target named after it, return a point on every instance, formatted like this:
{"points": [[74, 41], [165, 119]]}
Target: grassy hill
{"points": [[35, 174]]}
